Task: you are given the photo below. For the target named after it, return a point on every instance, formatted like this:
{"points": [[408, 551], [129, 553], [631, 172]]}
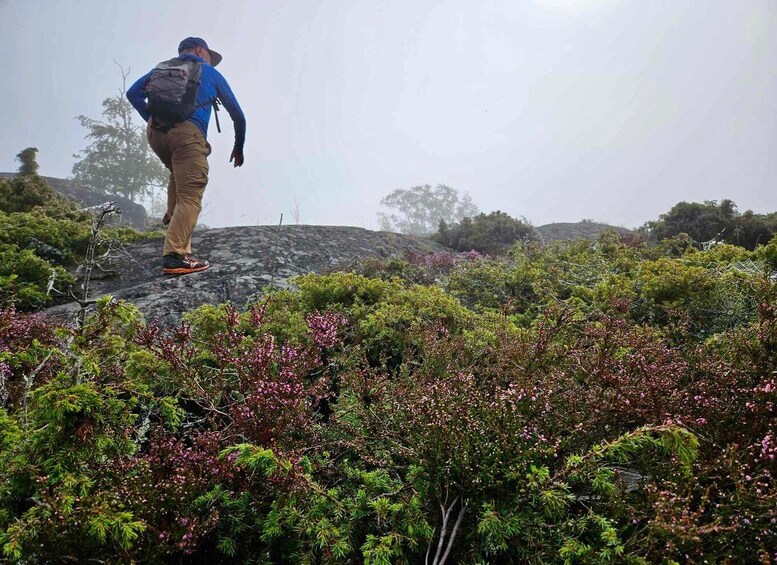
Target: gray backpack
{"points": [[172, 91]]}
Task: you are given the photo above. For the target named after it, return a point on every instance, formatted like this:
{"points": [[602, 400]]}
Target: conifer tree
{"points": [[118, 160], [29, 164]]}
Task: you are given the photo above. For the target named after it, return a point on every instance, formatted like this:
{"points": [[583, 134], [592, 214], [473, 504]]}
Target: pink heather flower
{"points": [[324, 328], [768, 447]]}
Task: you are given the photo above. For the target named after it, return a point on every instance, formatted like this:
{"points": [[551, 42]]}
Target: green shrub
{"points": [[717, 255], [492, 233], [501, 285], [710, 300], [53, 233], [24, 278], [703, 222], [385, 314], [674, 246], [25, 193], [57, 240], [768, 254]]}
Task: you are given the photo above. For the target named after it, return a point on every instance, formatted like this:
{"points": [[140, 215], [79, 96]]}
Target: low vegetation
{"points": [[577, 403]]}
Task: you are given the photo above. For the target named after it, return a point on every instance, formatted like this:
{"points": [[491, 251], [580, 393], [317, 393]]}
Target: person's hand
{"points": [[236, 156]]}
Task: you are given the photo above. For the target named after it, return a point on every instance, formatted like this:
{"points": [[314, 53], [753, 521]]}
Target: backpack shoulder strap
{"points": [[213, 101], [195, 71]]}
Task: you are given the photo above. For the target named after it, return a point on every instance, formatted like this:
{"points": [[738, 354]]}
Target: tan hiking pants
{"points": [[184, 151]]}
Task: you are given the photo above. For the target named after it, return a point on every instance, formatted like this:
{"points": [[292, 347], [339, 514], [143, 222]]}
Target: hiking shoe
{"points": [[166, 218], [174, 264]]}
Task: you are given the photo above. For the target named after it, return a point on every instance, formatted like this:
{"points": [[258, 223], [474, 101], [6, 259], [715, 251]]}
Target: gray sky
{"points": [[555, 110]]}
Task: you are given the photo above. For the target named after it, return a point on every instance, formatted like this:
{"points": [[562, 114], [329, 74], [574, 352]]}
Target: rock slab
{"points": [[245, 261]]}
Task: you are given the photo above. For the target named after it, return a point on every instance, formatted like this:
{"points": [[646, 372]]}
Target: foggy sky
{"points": [[555, 110]]}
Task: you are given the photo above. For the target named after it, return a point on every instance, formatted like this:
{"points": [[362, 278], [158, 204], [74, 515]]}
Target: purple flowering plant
{"points": [[358, 419]]}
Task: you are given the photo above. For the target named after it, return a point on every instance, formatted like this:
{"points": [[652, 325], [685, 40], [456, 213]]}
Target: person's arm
{"points": [[229, 101], [137, 96]]}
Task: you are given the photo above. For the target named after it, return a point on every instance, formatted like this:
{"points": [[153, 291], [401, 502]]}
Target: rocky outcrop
{"points": [[131, 213], [245, 262], [576, 230]]}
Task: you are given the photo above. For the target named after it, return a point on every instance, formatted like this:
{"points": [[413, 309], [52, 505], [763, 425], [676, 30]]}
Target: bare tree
{"points": [[295, 212], [419, 210]]}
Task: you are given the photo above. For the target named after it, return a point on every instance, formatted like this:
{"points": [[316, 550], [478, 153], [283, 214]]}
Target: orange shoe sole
{"points": [[183, 270]]}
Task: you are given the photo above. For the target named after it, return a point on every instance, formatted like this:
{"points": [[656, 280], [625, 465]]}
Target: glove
{"points": [[237, 156]]}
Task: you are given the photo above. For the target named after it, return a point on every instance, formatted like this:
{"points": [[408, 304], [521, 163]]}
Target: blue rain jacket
{"points": [[212, 84]]}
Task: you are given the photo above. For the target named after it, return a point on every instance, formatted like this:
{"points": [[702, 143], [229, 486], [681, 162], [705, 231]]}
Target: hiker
{"points": [[176, 98]]}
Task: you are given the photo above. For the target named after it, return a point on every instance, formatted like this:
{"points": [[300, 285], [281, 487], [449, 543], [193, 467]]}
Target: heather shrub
{"points": [[427, 269], [456, 425], [406, 270], [344, 290], [727, 510], [25, 342], [561, 269], [575, 403], [387, 332]]}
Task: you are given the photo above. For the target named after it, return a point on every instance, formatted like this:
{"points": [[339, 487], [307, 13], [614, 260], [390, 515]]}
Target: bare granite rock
{"points": [[571, 231], [242, 265]]}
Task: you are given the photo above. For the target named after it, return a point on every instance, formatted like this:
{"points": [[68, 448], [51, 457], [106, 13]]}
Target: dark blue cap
{"points": [[192, 42]]}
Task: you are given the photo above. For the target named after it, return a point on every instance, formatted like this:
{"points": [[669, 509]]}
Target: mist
{"points": [[550, 110]]}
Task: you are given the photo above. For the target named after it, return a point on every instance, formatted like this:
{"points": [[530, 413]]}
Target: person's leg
{"points": [[190, 168], [159, 143], [171, 197]]}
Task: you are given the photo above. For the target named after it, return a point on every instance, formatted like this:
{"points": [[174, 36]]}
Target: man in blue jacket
{"points": [[184, 149]]}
